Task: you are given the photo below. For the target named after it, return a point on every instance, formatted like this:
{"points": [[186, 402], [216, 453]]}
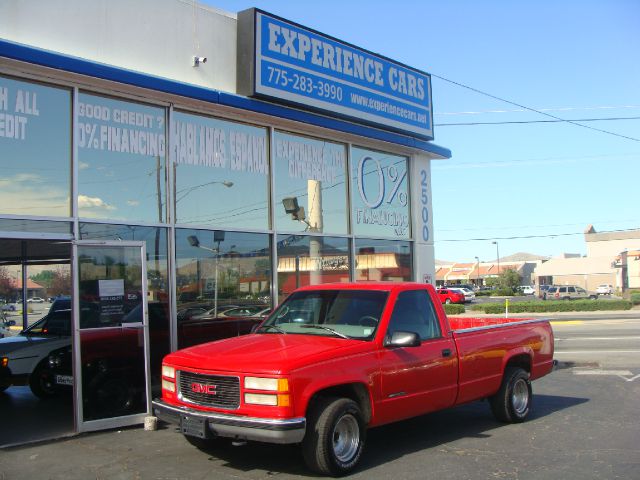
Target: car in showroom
{"points": [[448, 295], [604, 289]]}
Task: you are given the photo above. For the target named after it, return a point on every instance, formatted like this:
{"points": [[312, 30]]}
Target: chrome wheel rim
{"points": [[346, 438], [520, 396]]}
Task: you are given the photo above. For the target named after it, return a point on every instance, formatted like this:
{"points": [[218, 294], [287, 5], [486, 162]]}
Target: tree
{"points": [[43, 278], [60, 281], [6, 284], [509, 279]]}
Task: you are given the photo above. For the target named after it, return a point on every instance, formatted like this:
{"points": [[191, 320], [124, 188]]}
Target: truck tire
{"points": [[512, 403], [335, 436], [40, 382]]}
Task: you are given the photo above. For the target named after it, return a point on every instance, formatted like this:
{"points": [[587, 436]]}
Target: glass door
{"points": [[111, 334]]}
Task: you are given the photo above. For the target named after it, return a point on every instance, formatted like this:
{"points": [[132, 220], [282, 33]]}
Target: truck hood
{"points": [[21, 342], [265, 353]]}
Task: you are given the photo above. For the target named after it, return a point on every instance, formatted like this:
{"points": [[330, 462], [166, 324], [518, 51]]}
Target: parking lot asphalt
{"points": [[582, 427]]}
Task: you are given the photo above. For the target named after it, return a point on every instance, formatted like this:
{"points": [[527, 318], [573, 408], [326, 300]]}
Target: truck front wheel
{"points": [[335, 436], [512, 403]]}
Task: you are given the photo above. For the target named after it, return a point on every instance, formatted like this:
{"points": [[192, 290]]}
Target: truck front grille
{"points": [[209, 390]]}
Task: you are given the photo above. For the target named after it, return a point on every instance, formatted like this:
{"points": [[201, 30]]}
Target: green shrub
{"points": [[555, 306], [484, 293], [503, 292], [635, 298], [453, 309]]}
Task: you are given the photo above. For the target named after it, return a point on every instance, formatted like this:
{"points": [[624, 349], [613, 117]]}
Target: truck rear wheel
{"points": [[335, 436], [512, 403]]}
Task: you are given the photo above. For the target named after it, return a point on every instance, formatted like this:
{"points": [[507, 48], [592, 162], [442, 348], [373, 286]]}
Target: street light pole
{"points": [[477, 271], [497, 256]]}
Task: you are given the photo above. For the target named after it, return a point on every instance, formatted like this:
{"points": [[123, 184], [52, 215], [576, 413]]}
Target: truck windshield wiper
{"points": [[267, 327], [328, 329]]}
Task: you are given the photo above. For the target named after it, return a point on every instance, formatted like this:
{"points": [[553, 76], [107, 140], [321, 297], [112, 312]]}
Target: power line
{"points": [[533, 109], [555, 109], [519, 237], [535, 121]]}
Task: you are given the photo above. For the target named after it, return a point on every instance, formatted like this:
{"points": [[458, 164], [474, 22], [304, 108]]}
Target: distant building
{"points": [[613, 258], [477, 273], [33, 289]]}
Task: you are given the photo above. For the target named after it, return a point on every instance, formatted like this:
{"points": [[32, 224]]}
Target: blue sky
{"points": [[531, 187]]}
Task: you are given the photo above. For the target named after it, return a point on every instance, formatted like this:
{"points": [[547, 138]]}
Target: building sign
{"points": [[380, 200], [287, 62]]}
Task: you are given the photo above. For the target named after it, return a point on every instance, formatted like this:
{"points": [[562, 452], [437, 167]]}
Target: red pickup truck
{"points": [[334, 360]]}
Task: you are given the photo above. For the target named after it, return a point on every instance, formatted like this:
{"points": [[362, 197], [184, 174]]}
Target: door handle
{"points": [[446, 352]]}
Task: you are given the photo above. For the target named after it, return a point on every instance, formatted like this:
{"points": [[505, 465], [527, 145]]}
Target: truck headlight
{"points": [[168, 372], [273, 400], [268, 384], [4, 361], [261, 399], [169, 386]]}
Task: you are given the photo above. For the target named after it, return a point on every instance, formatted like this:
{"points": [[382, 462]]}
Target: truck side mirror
{"points": [[402, 339]]}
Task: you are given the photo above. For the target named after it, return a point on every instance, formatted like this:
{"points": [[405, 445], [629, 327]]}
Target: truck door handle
{"points": [[446, 352]]}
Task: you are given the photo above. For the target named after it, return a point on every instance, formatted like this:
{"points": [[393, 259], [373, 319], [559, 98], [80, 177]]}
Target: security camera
{"points": [[198, 60]]}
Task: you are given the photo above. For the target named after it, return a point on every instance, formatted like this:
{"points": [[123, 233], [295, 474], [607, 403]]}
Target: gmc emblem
{"points": [[203, 388]]}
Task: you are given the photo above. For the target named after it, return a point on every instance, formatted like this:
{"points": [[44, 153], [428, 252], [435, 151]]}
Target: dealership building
{"points": [[178, 160]]}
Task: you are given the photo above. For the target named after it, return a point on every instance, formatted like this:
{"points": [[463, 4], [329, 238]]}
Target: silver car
{"points": [[569, 292]]}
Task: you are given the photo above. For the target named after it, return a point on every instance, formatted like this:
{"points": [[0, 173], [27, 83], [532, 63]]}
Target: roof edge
{"points": [[68, 63]]}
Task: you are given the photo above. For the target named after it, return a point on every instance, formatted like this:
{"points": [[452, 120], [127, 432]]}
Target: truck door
{"points": [[417, 380]]}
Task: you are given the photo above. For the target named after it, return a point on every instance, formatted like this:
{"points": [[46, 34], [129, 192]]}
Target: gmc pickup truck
{"points": [[332, 361]]}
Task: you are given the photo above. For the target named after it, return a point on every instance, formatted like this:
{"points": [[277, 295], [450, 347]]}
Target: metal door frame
{"points": [[115, 422]]}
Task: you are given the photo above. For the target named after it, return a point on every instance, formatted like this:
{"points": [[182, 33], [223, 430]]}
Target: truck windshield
{"points": [[337, 313]]}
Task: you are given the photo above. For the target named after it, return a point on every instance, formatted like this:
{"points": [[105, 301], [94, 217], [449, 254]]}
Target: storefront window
{"points": [[306, 260], [310, 187], [223, 283], [157, 282], [379, 194], [35, 149], [383, 260], [36, 226], [221, 172], [121, 155]]}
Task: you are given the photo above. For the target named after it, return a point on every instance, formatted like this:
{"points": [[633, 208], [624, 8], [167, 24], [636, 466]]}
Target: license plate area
{"points": [[64, 380], [193, 426]]}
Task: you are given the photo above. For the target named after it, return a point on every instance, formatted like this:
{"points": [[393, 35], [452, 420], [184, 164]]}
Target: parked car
{"points": [[527, 290], [468, 286], [448, 295], [542, 291], [604, 289], [469, 296], [569, 292], [8, 307], [35, 300], [247, 311]]}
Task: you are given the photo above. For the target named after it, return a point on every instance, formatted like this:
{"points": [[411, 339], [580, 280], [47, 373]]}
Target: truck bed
{"points": [[484, 344]]}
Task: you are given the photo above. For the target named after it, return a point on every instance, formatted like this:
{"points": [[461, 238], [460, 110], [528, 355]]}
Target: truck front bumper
{"points": [[212, 424]]}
